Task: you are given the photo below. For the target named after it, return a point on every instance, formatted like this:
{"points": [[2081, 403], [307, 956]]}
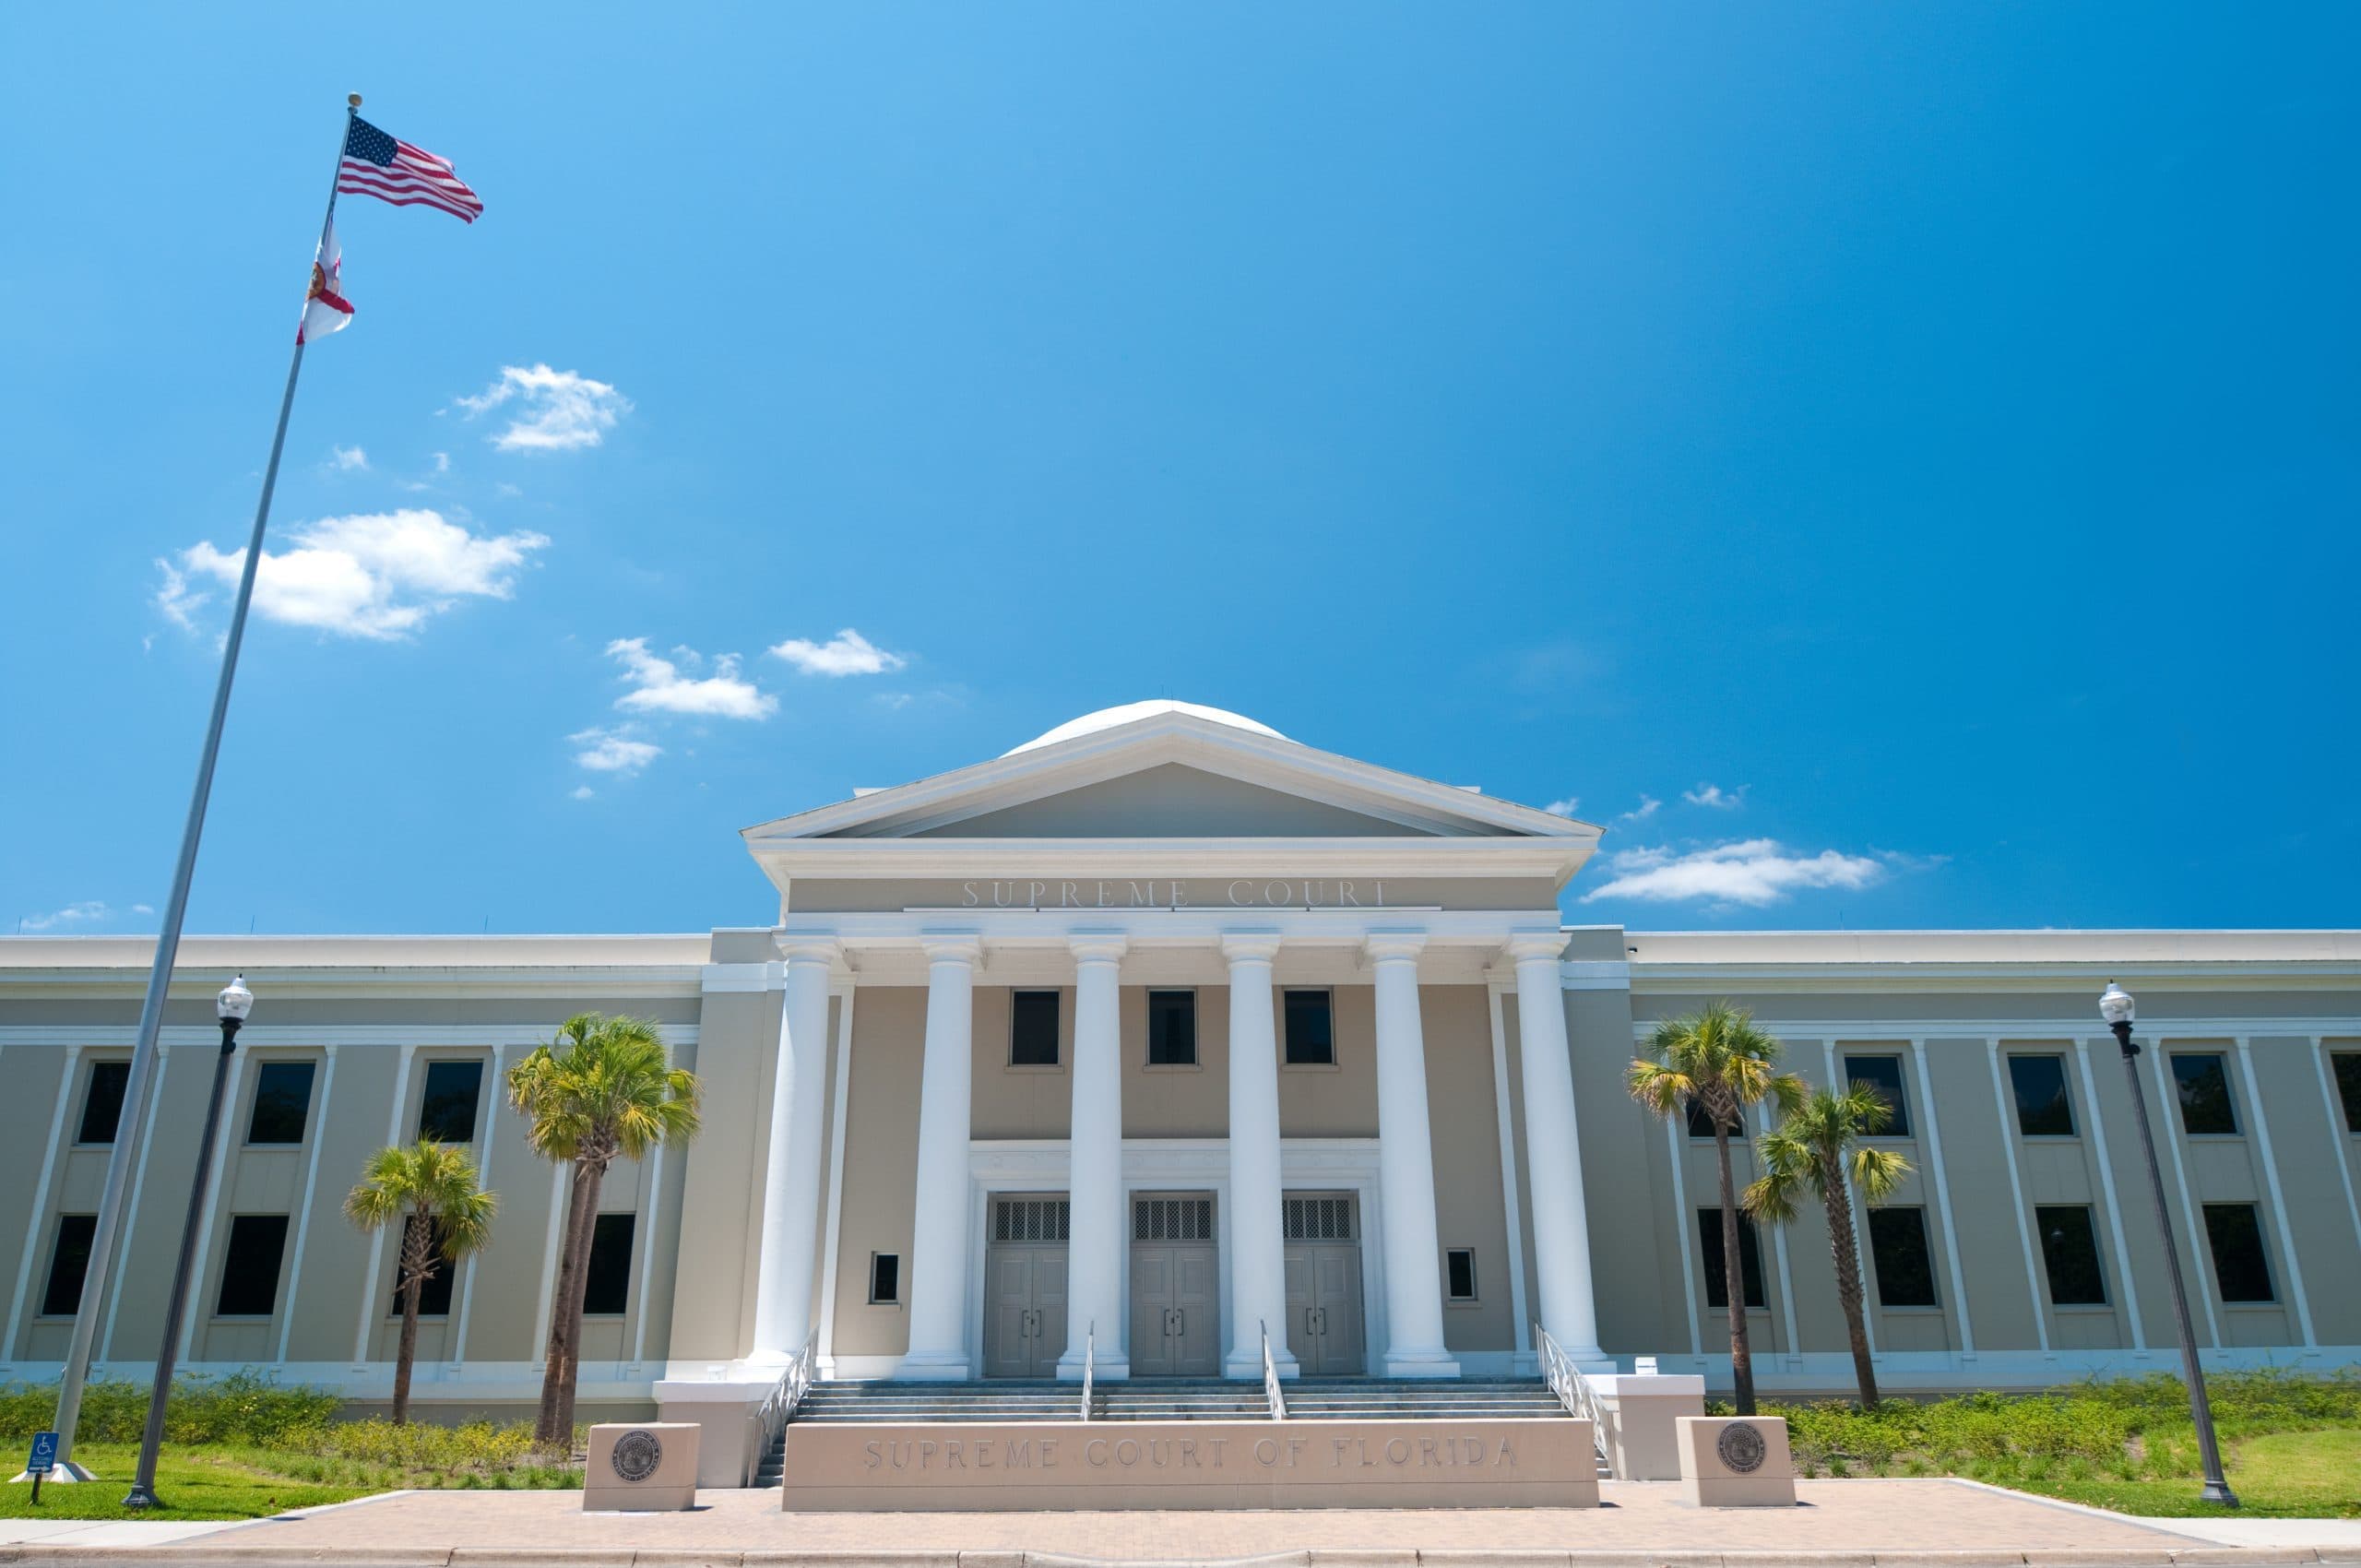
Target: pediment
{"points": [[1172, 800]]}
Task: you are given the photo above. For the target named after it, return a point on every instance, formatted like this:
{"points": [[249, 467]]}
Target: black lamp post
{"points": [[232, 1007], [2114, 1007]]}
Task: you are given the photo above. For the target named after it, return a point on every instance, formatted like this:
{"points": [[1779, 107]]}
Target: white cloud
{"points": [[611, 751], [375, 574], [1713, 795], [349, 456], [557, 411], [1641, 813], [847, 653], [1754, 872], [90, 912], [1566, 807], [583, 791], [442, 462], [660, 686], [143, 908]]}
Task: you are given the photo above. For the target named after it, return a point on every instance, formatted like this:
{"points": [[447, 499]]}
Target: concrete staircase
{"points": [[1170, 1399]]}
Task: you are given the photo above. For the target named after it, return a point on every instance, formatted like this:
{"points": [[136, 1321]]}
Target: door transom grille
{"points": [[1031, 1220], [1318, 1220], [1172, 1219]]}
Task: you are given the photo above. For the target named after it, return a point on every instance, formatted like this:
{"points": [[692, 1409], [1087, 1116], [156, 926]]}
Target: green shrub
{"points": [[244, 1407]]}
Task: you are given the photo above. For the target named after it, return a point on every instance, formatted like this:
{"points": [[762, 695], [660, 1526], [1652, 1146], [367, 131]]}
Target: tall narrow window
{"points": [[2069, 1249], [885, 1278], [2242, 1266], [2348, 1086], [1883, 1074], [2204, 1082], [446, 1111], [1750, 1259], [250, 1267], [1033, 1028], [1906, 1267], [1171, 1028], [282, 1103], [69, 1260], [1700, 1125], [1310, 1027], [102, 1101], [608, 1288], [2043, 1108], [434, 1295], [1459, 1272]]}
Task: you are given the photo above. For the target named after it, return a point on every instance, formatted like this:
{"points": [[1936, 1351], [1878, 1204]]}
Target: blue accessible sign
{"points": [[44, 1458]]}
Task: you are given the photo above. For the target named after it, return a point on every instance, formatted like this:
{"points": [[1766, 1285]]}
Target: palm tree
{"points": [[430, 1188], [1717, 1057], [1811, 1151], [603, 1088]]}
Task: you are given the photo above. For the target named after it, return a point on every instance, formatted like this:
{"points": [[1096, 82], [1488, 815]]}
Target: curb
{"points": [[35, 1554]]}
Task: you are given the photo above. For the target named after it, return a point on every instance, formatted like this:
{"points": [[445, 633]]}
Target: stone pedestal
{"points": [[1735, 1462], [730, 1412], [1641, 1441], [643, 1467]]}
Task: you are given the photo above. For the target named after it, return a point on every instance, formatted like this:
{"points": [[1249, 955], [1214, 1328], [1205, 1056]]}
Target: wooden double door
{"points": [[1024, 1286], [1176, 1287], [1324, 1271]]}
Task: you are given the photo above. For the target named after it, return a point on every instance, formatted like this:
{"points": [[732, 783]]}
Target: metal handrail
{"points": [[1572, 1389], [778, 1405], [1089, 1364], [1271, 1376]]}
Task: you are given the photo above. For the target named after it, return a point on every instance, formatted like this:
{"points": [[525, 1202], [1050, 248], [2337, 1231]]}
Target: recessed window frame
{"points": [[2049, 1271], [112, 1067], [2344, 1071], [243, 1226], [1196, 1031], [885, 1262], [437, 1295], [1017, 996], [1700, 1126], [264, 1070], [2065, 1096], [2232, 1217], [1889, 1222], [85, 1229], [1286, 1033], [1898, 1101], [425, 1090], [2184, 1087], [604, 1229], [1452, 1260], [1755, 1281]]}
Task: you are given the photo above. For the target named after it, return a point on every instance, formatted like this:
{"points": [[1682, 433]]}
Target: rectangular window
{"points": [[70, 1259], [2204, 1077], [102, 1101], [1461, 1267], [250, 1267], [2043, 1108], [2069, 1249], [2242, 1266], [446, 1111], [1702, 1125], [2348, 1086], [434, 1296], [1311, 1029], [1906, 1268], [1883, 1074], [885, 1278], [1171, 1028], [1033, 1028], [282, 1102], [1750, 1259], [608, 1288]]}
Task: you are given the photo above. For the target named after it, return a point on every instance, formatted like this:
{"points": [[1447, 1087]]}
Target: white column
{"points": [[791, 1172], [939, 1236], [1553, 1148], [1258, 1276], [1406, 1166], [1094, 1165]]}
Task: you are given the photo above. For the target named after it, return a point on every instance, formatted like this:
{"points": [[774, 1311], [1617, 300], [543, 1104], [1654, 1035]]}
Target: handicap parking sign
{"points": [[44, 1458]]}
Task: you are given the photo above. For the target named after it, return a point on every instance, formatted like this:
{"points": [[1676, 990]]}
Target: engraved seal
{"points": [[1740, 1447], [638, 1453]]}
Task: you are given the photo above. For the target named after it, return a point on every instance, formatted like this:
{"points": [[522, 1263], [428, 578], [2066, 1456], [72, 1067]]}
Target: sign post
{"points": [[43, 1459]]}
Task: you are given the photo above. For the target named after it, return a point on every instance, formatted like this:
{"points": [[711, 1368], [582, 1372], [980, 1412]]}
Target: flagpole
{"points": [[145, 1066]]}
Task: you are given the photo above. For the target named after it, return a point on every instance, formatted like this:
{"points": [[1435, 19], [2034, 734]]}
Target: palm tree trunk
{"points": [[413, 1276], [1846, 1249], [555, 1426], [589, 1175], [1733, 1277]]}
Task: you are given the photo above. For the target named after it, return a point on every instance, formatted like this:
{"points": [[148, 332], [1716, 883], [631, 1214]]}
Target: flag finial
{"points": [[353, 99]]}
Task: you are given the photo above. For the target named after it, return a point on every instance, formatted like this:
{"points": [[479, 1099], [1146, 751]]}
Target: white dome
{"points": [[1131, 712]]}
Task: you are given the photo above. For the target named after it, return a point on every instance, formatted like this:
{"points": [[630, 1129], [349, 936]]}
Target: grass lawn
{"points": [[208, 1482], [2288, 1475]]}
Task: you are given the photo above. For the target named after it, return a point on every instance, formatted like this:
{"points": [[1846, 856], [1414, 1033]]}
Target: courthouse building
{"points": [[1165, 1034]]}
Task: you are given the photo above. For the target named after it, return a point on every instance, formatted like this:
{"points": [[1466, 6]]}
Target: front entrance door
{"points": [[1176, 1287], [1324, 1264], [1025, 1288]]}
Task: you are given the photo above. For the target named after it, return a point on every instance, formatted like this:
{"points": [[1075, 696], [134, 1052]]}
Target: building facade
{"points": [[1164, 1038]]}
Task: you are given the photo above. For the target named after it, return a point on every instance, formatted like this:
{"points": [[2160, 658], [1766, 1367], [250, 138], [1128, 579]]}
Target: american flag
{"points": [[391, 170]]}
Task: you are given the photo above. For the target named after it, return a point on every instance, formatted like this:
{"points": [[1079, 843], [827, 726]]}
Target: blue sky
{"points": [[1893, 466]]}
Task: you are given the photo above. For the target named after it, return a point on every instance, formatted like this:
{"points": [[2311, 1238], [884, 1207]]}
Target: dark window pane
{"points": [[609, 1275], [2069, 1247], [1033, 1029], [2348, 1085], [2205, 1081], [446, 1111], [884, 1276], [1906, 1268], [1462, 1262], [1750, 1259], [2043, 1108], [434, 1296], [1172, 1028], [1883, 1074], [1312, 1034], [1702, 1125], [2240, 1265], [102, 1101], [283, 1099], [68, 1261], [249, 1268]]}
